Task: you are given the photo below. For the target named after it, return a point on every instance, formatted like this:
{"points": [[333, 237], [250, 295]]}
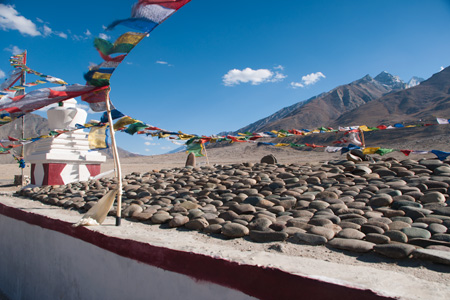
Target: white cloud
{"points": [[161, 62], [147, 137], [14, 50], [442, 68], [88, 33], [279, 67], [61, 34], [278, 77], [11, 20], [166, 148], [312, 78], [147, 150], [296, 85], [147, 143], [104, 36], [255, 77], [2, 74], [308, 80], [47, 30]]}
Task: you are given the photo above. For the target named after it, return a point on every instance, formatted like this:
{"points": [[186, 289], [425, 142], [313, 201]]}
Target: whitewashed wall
{"points": [[37, 263]]}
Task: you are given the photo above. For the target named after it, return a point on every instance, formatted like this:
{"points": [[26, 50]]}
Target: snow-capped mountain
{"points": [[414, 81]]}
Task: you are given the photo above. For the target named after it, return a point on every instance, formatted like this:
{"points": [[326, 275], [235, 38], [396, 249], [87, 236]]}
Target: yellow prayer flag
{"points": [[364, 128], [98, 75], [130, 38], [186, 136], [97, 137], [370, 150], [124, 122]]}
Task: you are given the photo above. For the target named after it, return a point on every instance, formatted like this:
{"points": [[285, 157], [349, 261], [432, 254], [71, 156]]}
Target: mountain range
{"points": [[326, 108]]}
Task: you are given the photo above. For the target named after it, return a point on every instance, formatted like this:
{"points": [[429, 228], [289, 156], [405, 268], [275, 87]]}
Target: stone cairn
{"points": [[397, 209]]}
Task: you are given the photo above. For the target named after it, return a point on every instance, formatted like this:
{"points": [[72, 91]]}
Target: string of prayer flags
{"points": [[101, 74], [17, 61], [146, 15]]}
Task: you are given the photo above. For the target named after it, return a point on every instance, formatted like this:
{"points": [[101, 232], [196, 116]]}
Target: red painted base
{"points": [[52, 173]]}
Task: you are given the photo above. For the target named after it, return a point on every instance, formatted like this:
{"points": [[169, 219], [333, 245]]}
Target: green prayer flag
{"points": [[135, 127], [383, 151], [195, 148]]}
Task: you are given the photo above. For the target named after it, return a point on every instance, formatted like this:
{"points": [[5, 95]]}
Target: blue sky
{"points": [[220, 65]]}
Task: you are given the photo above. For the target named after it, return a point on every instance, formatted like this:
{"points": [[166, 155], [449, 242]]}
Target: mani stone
{"points": [[234, 230], [350, 233], [397, 236], [351, 245], [268, 236], [197, 224], [269, 159], [394, 250], [309, 238], [190, 161], [377, 238], [413, 232], [178, 221], [432, 197], [436, 256]]}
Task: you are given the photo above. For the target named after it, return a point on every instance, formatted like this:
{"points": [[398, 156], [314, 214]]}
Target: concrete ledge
{"points": [[90, 264]]}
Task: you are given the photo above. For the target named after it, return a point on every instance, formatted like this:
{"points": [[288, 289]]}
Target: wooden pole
{"points": [[22, 82], [362, 138], [116, 162], [206, 154]]}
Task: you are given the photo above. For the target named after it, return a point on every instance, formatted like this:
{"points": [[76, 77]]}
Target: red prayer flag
{"points": [[406, 152]]}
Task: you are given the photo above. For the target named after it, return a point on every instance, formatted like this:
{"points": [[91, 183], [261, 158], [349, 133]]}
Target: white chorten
{"points": [[66, 158]]}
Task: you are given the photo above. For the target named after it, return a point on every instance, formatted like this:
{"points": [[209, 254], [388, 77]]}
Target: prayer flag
{"points": [[147, 14], [98, 137], [370, 150], [442, 121], [441, 155], [195, 148], [330, 149], [115, 114], [383, 151]]}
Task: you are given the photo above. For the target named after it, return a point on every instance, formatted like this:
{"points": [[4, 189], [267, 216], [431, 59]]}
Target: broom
{"points": [[97, 214]]}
